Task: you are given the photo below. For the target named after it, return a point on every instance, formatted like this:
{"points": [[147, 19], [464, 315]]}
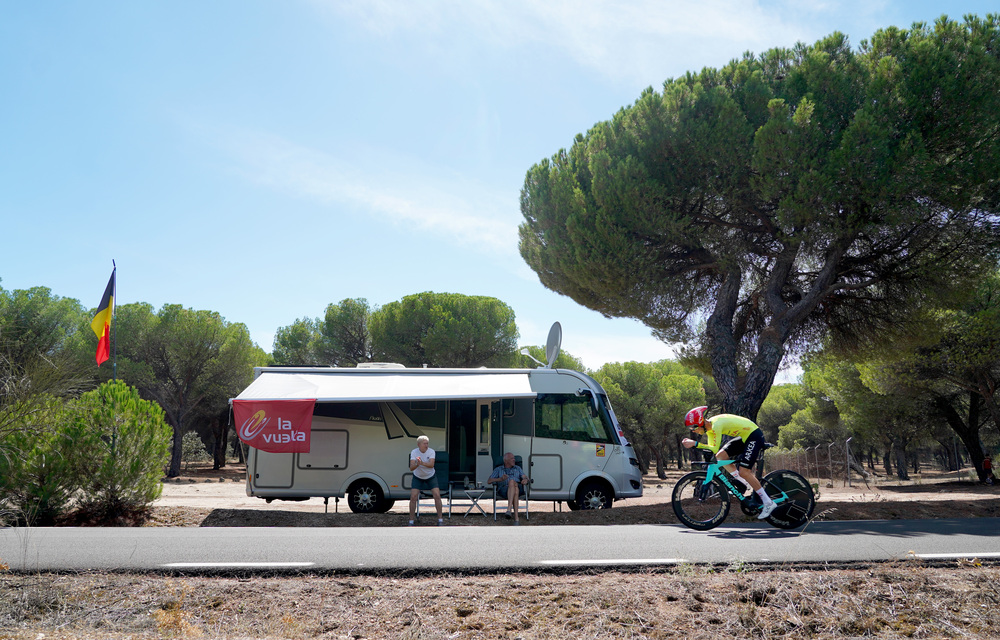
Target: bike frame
{"points": [[715, 470]]}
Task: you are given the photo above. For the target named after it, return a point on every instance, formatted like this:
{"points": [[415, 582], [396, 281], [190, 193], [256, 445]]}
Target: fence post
{"points": [[829, 460], [816, 460], [958, 466], [847, 467]]}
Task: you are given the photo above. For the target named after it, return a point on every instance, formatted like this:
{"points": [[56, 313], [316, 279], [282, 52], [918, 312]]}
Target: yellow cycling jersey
{"points": [[726, 424]]}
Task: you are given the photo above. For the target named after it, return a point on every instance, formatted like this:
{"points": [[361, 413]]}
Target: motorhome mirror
{"points": [[594, 409], [553, 343]]}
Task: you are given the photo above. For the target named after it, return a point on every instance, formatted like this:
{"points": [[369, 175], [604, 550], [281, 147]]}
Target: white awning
{"points": [[381, 386]]}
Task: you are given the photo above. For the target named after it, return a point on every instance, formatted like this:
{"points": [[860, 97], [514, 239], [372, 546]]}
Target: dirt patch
{"points": [[203, 497]]}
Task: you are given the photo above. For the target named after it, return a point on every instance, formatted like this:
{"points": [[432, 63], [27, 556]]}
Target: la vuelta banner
{"points": [[275, 426]]}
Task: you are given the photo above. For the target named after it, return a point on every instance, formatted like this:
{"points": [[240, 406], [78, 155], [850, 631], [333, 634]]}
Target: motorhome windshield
{"points": [[572, 417]]}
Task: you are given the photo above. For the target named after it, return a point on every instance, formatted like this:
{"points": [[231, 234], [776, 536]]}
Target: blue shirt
{"points": [[514, 472]]}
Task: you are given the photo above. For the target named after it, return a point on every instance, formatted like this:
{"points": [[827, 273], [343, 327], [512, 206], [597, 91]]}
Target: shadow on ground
{"points": [[646, 514]]}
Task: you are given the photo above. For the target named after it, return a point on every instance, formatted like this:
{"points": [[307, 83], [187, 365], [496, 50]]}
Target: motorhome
{"points": [[366, 421]]}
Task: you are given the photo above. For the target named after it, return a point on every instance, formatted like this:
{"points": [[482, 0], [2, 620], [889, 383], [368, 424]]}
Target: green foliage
{"points": [[795, 195], [193, 449], [887, 416], [122, 445], [445, 330], [780, 405], [650, 400], [294, 344], [340, 339], [103, 454], [953, 369], [38, 334], [344, 337], [190, 362], [39, 470]]}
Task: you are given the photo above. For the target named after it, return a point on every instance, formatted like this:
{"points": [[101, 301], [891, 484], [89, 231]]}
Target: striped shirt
{"points": [[515, 473]]}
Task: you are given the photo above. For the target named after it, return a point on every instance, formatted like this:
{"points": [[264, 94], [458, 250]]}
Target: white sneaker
{"points": [[766, 511]]}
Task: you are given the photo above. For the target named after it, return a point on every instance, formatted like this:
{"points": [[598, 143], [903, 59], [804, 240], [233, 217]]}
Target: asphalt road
{"points": [[463, 548]]}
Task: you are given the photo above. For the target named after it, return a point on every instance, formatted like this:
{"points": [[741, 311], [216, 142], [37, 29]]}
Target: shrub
{"points": [[124, 444], [193, 449], [38, 475]]}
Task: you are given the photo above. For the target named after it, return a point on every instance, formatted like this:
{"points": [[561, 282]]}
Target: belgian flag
{"points": [[101, 324]]}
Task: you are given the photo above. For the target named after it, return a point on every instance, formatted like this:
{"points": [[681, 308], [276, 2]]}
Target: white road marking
{"points": [[615, 561], [954, 556], [238, 565]]}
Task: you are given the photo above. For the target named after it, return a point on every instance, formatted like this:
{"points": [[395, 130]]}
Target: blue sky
{"points": [[263, 159]]}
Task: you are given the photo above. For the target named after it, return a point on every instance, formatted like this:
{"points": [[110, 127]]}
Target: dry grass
{"points": [[904, 600], [907, 599]]}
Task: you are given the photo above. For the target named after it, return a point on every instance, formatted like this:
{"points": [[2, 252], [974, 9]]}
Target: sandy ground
{"points": [[200, 491]]}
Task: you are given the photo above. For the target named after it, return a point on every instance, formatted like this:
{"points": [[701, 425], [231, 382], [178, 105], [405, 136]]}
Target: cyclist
{"points": [[744, 449]]}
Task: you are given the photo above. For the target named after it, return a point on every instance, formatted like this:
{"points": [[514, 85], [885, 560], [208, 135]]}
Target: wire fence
{"points": [[830, 464]]}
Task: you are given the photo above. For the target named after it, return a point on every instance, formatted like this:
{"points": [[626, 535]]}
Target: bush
{"points": [[193, 449], [107, 450], [123, 446], [38, 474]]}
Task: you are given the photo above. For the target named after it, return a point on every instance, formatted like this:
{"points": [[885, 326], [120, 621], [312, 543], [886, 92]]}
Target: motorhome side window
{"points": [[569, 417]]}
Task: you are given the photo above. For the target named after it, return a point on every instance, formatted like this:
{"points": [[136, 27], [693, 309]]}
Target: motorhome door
{"points": [[484, 453]]}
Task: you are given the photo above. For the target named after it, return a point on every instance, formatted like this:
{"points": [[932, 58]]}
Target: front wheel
{"points": [[697, 505], [799, 500], [594, 494]]}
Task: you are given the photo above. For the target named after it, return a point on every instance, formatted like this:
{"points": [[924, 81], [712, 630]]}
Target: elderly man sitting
{"points": [[508, 480]]}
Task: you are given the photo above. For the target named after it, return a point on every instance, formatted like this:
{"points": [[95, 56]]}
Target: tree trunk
{"points": [[661, 469], [901, 472], [887, 463], [948, 457], [238, 446], [968, 431], [175, 456], [221, 439]]}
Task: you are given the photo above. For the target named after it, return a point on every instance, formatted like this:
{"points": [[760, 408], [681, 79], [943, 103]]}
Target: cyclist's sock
{"points": [[763, 496]]}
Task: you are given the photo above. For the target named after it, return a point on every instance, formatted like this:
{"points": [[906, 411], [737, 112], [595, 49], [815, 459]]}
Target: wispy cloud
{"points": [[635, 40], [400, 191]]}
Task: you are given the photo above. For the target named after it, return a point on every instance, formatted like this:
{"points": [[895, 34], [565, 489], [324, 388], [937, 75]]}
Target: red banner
{"points": [[276, 426]]}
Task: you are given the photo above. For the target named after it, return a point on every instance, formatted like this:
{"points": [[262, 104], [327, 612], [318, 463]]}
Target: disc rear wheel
{"points": [[800, 500]]}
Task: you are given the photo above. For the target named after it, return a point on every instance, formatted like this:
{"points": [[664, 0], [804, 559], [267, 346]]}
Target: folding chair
{"points": [[444, 486], [525, 490]]}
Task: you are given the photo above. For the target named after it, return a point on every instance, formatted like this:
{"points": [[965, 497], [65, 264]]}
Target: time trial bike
{"points": [[701, 499]]}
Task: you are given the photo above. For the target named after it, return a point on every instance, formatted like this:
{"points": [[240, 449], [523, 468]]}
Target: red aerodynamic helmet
{"points": [[695, 418]]}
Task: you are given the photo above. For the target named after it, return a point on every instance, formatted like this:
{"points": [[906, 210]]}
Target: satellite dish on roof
{"points": [[553, 343]]}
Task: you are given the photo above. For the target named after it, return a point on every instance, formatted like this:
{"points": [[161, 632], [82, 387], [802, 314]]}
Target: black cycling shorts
{"points": [[745, 454]]}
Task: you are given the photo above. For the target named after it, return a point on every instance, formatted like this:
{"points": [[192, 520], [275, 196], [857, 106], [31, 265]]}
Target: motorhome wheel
{"points": [[594, 494], [365, 496]]}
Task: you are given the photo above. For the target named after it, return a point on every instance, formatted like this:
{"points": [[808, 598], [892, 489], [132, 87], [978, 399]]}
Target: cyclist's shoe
{"points": [[766, 511]]}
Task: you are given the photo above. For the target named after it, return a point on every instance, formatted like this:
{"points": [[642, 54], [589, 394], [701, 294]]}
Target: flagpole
{"points": [[114, 329], [114, 358]]}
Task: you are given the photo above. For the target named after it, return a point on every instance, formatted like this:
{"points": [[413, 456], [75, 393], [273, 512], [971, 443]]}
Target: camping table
{"points": [[474, 494]]}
